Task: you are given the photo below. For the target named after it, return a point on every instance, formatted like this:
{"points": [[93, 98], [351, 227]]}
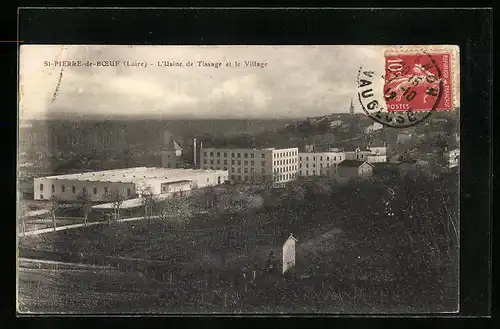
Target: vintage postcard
{"points": [[238, 179]]}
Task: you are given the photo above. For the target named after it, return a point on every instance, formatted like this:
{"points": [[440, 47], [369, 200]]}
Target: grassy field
{"points": [[352, 256]]}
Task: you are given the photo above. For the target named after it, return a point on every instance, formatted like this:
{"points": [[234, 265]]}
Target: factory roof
{"points": [[136, 175]]}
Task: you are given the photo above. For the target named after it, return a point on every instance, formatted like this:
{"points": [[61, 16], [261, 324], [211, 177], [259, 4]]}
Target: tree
{"points": [[116, 198], [85, 204], [148, 200], [22, 216], [55, 204]]}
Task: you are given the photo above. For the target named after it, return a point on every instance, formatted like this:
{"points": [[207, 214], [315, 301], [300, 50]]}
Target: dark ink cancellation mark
{"points": [[407, 86]]}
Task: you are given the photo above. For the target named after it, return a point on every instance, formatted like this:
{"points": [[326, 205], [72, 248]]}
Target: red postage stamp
{"points": [[418, 82], [400, 86]]}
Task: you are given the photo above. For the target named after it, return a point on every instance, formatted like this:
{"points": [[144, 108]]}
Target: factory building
{"points": [[281, 165], [127, 182], [319, 163]]}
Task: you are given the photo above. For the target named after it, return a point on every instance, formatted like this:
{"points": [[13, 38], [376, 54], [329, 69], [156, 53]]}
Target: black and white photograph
{"points": [[160, 179]]}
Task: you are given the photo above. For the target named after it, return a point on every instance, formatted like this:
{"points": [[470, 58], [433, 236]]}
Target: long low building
{"points": [[129, 183]]}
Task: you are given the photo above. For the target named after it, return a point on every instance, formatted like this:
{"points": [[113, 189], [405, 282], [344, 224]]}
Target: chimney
{"points": [[194, 151]]}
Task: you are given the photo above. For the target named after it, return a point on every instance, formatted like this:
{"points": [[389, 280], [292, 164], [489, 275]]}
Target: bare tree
{"points": [[116, 198], [85, 204], [55, 204], [148, 200]]}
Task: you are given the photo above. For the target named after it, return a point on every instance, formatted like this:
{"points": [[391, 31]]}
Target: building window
{"points": [[41, 187], [84, 189], [320, 158], [233, 162], [225, 168], [232, 154], [245, 170], [205, 153], [205, 161], [239, 162], [211, 154], [211, 161], [263, 156], [252, 155], [95, 190], [218, 154], [245, 155], [252, 163], [300, 158], [307, 165], [340, 158], [41, 196], [314, 165], [225, 161], [245, 162], [314, 158], [233, 169], [321, 165], [300, 165], [239, 170], [63, 189], [218, 161], [53, 188], [73, 189], [225, 155], [263, 171], [106, 189], [334, 158], [239, 155]]}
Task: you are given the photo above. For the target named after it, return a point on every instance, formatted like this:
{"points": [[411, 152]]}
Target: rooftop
{"points": [[136, 175], [173, 145], [351, 163]]}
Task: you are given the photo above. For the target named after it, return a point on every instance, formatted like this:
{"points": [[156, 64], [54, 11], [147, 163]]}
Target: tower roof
{"points": [[172, 145]]}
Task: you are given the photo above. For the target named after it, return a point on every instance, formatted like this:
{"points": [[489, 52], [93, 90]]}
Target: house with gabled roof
{"points": [[354, 168], [171, 154]]}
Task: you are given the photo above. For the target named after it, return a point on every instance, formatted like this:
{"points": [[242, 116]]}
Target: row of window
{"points": [[314, 165], [306, 173], [233, 154], [233, 169], [284, 169], [285, 177], [251, 155], [84, 189], [234, 162], [284, 154], [284, 162], [321, 158]]}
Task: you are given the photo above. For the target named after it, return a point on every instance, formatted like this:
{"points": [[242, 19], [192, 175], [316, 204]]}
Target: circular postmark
{"points": [[402, 94]]}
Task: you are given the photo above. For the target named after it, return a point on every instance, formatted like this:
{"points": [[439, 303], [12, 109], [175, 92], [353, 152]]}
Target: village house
{"points": [[453, 158], [354, 168], [403, 138], [335, 123], [373, 127]]}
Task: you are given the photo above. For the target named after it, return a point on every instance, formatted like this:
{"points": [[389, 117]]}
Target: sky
{"points": [[298, 81]]}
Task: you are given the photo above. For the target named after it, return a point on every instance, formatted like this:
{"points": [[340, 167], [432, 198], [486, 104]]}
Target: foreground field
{"points": [[357, 253]]}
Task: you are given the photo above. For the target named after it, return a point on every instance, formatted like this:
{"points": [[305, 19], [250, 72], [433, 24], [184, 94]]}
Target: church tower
{"points": [[351, 108]]}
